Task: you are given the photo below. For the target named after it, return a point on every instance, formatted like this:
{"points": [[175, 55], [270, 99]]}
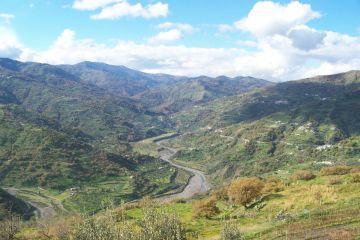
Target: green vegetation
{"points": [[299, 208], [293, 125], [75, 140], [10, 205], [176, 96], [58, 133]]}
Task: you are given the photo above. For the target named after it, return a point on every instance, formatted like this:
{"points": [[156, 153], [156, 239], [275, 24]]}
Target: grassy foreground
{"points": [[301, 205]]}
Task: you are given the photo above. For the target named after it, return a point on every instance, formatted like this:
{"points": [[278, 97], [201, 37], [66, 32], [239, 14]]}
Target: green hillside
{"points": [[173, 97], [61, 96], [301, 123], [58, 133], [118, 80]]}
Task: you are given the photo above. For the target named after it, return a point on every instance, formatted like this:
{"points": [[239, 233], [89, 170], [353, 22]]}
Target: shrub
{"points": [[155, 225], [355, 178], [205, 208], [231, 231], [273, 185], [355, 170], [335, 181], [57, 228], [335, 170], [159, 225], [9, 227], [220, 194], [178, 200], [245, 190], [303, 175], [92, 228]]}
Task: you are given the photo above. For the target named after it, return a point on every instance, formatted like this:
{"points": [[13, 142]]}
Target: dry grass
{"points": [[274, 185], [335, 170], [335, 181], [310, 195], [205, 208], [303, 175]]}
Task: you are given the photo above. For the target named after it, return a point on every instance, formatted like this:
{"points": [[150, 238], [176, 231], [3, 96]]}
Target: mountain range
{"points": [[70, 126]]}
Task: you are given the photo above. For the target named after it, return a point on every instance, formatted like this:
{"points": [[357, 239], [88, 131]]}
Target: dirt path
{"points": [[197, 184]]}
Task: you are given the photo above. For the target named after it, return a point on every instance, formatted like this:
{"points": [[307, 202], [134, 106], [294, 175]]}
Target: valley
{"points": [[197, 183], [93, 138]]}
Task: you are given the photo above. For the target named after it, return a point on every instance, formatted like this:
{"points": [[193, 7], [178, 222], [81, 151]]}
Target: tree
{"points": [[245, 190]]}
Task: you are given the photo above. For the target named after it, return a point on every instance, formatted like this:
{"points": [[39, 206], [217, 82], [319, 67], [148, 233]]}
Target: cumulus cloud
{"points": [[171, 32], [276, 58], [166, 36], [222, 28], [9, 44], [280, 53], [184, 27], [92, 4], [124, 8], [7, 17], [306, 38], [270, 18]]}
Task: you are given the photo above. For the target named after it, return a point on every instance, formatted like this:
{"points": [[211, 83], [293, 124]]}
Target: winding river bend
{"points": [[196, 185]]}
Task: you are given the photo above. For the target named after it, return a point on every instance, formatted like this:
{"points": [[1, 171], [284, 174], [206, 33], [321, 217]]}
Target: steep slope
{"points": [[56, 94], [59, 133], [176, 96], [12, 205], [36, 152], [308, 122], [118, 80], [160, 92]]}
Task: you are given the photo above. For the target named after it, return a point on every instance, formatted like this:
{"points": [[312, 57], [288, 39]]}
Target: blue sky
{"points": [[198, 37]]}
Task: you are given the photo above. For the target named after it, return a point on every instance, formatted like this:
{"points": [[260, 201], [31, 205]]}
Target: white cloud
{"points": [[92, 4], [184, 27], [269, 18], [225, 28], [166, 36], [290, 52], [9, 44], [247, 43], [172, 32], [276, 58], [7, 17], [124, 8], [306, 38]]}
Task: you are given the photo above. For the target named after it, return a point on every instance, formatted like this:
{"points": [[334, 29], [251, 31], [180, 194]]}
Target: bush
{"points": [[57, 228], [355, 170], [220, 194], [205, 208], [100, 228], [335, 170], [9, 227], [335, 181], [355, 178], [245, 190], [273, 185], [155, 225], [231, 231], [303, 175], [178, 200], [159, 225]]}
